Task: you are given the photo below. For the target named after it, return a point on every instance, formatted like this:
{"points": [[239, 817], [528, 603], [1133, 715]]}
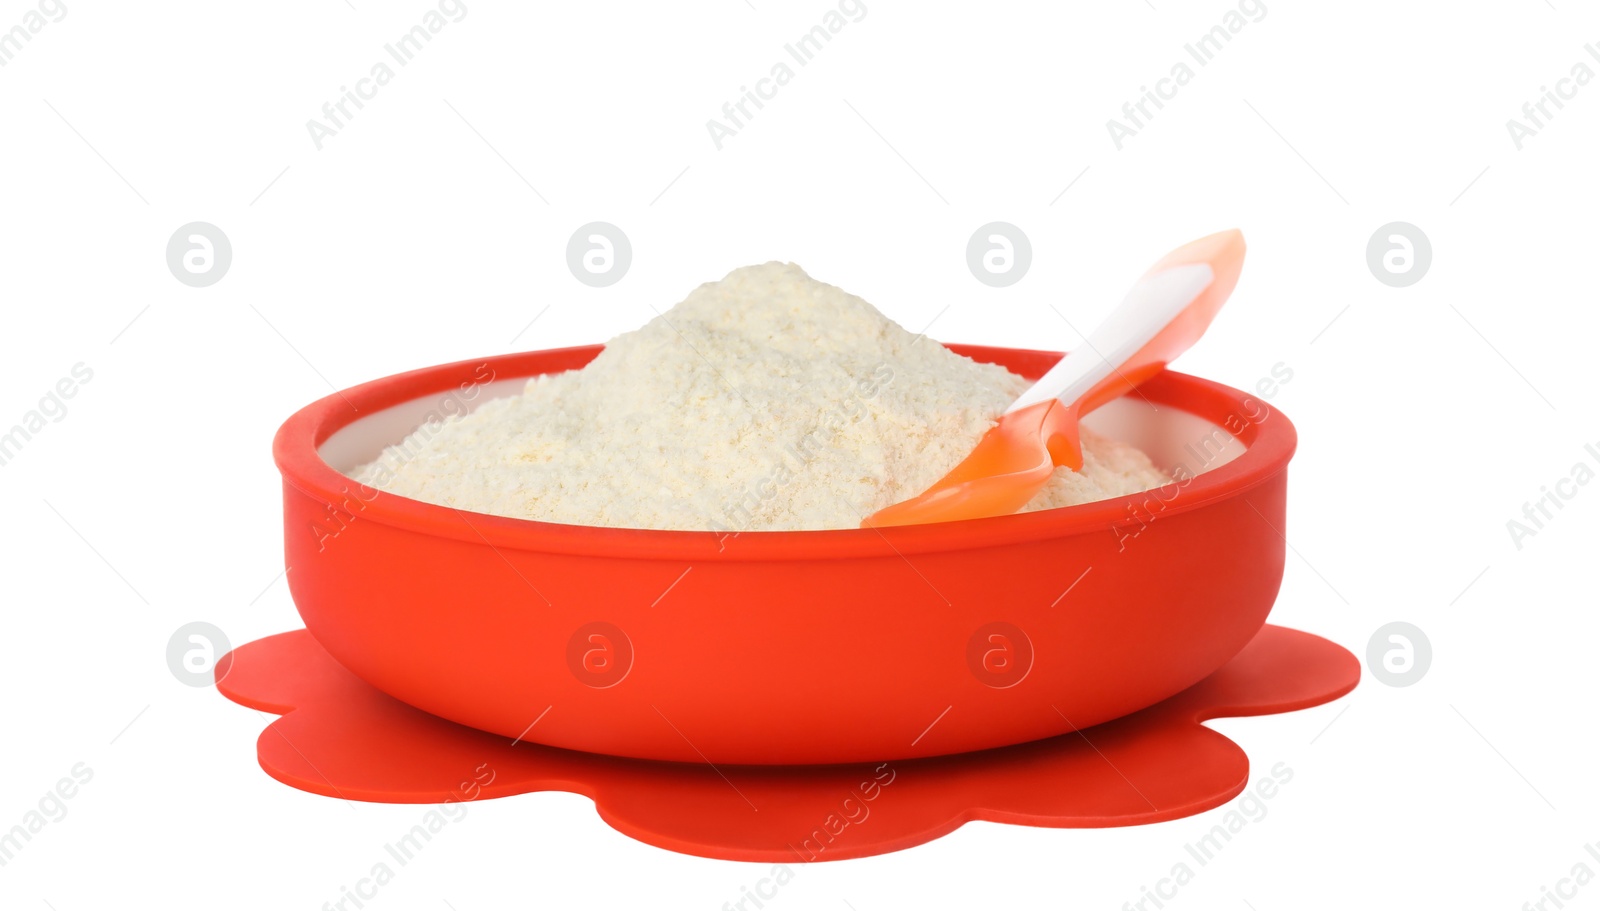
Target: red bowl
{"points": [[787, 647]]}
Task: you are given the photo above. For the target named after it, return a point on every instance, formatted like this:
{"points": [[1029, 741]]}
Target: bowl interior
{"points": [[362, 440], [1173, 438]]}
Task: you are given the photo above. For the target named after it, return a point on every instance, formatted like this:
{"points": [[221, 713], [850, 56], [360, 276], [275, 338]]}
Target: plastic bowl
{"points": [[787, 647]]}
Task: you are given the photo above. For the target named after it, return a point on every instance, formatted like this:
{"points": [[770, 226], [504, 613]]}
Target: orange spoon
{"points": [[1165, 313]]}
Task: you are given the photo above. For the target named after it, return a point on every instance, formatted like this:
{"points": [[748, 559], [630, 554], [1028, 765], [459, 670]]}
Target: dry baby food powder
{"points": [[765, 401]]}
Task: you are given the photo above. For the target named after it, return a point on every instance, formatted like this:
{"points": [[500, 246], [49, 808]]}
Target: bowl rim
{"points": [[1269, 443]]}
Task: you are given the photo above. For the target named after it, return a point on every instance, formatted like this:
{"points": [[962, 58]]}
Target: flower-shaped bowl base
{"points": [[340, 737]]}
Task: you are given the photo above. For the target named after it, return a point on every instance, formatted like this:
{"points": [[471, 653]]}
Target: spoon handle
{"points": [[1161, 317]]}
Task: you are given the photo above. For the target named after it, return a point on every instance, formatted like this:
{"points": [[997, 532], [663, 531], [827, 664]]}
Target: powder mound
{"points": [[765, 401]]}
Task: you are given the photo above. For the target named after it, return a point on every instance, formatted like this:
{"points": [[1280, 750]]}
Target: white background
{"points": [[1428, 415]]}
